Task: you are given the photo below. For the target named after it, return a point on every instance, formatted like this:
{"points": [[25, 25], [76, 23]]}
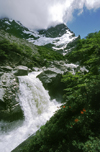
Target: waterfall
{"points": [[37, 108]]}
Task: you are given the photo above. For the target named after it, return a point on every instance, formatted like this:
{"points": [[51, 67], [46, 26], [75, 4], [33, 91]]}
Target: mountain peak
{"points": [[56, 31], [57, 37]]}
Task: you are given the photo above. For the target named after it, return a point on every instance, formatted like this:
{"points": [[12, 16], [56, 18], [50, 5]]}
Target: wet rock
{"points": [[2, 105], [1, 73], [35, 69], [15, 114], [52, 82], [20, 71], [10, 109], [51, 78], [5, 68]]}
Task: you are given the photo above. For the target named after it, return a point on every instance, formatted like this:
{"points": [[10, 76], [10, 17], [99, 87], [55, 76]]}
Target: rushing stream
{"points": [[37, 107]]}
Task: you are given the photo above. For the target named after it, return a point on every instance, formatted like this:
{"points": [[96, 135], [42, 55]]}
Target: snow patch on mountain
{"points": [[58, 37], [59, 43], [7, 22], [31, 33]]}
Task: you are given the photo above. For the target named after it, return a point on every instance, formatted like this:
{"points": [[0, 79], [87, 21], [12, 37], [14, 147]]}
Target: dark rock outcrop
{"points": [[15, 114], [2, 105], [10, 109], [5, 68], [52, 82], [20, 70], [51, 79]]}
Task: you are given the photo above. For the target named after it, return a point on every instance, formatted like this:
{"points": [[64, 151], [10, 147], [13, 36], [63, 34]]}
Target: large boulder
{"points": [[51, 79], [10, 109], [21, 70], [2, 105], [6, 68], [15, 114], [53, 84]]}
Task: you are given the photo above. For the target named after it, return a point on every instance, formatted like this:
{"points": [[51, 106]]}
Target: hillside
{"points": [[16, 51], [75, 127], [56, 38]]}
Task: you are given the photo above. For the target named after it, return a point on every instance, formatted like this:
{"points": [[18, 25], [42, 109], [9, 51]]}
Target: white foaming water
{"points": [[37, 107]]}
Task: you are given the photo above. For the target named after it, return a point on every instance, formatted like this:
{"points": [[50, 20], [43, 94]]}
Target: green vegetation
{"points": [[75, 127], [49, 54], [15, 29], [56, 31], [20, 52], [87, 52], [11, 52]]}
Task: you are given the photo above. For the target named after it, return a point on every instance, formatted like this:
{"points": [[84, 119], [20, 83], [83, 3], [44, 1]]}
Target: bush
{"points": [[75, 127], [24, 52], [49, 54]]}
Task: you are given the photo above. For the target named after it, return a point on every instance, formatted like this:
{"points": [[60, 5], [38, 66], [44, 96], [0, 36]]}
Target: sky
{"points": [[81, 16], [87, 22]]}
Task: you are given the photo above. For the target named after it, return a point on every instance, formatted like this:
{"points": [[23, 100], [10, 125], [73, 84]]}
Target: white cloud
{"points": [[43, 13], [92, 4]]}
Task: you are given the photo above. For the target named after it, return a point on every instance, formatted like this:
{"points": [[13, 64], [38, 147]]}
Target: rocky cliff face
{"points": [[57, 37], [50, 76], [25, 53], [18, 60], [10, 108]]}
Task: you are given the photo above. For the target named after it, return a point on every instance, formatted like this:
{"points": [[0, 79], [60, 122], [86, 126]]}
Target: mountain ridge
{"points": [[57, 37]]}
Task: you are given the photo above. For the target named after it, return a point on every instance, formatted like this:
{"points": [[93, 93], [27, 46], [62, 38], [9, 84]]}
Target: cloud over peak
{"points": [[44, 13]]}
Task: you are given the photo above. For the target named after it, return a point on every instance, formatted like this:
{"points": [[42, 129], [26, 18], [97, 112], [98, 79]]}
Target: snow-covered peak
{"points": [[57, 37]]}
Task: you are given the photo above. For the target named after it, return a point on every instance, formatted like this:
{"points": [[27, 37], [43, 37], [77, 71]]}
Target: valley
{"points": [[49, 89]]}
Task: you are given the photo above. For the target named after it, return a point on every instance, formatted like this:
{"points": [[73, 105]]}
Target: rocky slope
{"points": [[22, 51], [10, 109], [18, 56], [60, 38]]}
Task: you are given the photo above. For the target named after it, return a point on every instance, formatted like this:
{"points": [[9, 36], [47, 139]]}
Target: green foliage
{"points": [[19, 54], [15, 29], [83, 92], [49, 54], [3, 55], [24, 54], [92, 145], [75, 127], [56, 31], [87, 52]]}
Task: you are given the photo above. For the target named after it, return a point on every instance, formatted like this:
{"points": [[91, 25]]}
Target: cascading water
{"points": [[37, 107]]}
